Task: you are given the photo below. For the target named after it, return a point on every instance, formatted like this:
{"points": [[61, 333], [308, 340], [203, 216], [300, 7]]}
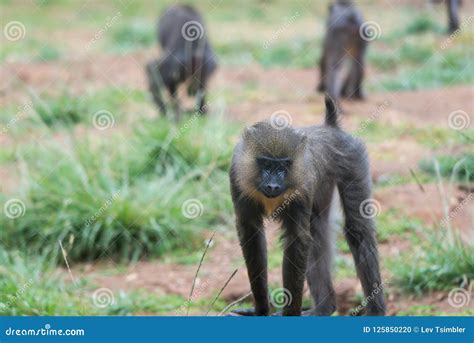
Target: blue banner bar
{"points": [[237, 329]]}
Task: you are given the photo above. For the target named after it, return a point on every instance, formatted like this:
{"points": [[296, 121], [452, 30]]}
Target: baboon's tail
{"points": [[331, 112]]}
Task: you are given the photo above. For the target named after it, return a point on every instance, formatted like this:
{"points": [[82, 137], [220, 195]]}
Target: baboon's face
{"points": [[273, 173]]}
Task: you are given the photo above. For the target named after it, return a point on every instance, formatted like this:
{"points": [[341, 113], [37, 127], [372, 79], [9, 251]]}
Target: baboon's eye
{"points": [[287, 163]]}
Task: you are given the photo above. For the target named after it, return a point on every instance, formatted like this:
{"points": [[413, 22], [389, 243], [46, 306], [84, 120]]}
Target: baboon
{"points": [[187, 57], [290, 174], [343, 58], [453, 15]]}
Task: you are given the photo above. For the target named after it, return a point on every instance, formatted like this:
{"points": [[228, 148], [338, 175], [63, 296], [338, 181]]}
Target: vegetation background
{"points": [[107, 208]]}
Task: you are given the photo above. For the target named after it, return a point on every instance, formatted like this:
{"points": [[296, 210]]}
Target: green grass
{"points": [[275, 256], [437, 263], [66, 109], [103, 199], [390, 180], [61, 110], [431, 310], [421, 24], [430, 136], [408, 54], [453, 66], [48, 53], [30, 287], [297, 53], [136, 33], [7, 155], [344, 267], [418, 310], [195, 143], [391, 224], [442, 258], [461, 167]]}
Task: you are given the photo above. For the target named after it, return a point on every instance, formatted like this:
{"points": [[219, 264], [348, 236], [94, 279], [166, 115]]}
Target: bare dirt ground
{"points": [[267, 91]]}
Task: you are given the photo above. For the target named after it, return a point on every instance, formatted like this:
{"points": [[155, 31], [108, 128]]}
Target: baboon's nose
{"points": [[273, 187]]}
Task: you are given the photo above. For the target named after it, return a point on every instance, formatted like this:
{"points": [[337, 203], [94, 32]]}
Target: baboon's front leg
{"points": [[254, 247], [154, 85], [296, 242]]}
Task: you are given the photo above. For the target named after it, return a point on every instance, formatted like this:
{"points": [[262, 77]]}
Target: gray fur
{"points": [[323, 158], [453, 14], [343, 58]]}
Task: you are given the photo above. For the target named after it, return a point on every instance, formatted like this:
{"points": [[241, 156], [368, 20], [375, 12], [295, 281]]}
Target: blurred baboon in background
{"points": [[187, 57], [342, 61]]}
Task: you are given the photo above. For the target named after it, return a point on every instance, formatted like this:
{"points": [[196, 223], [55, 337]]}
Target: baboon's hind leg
{"points": [[359, 230]]}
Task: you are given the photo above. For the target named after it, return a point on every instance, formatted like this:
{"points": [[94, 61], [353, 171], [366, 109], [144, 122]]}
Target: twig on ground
{"points": [[232, 304], [197, 271], [417, 180], [220, 292], [67, 264]]}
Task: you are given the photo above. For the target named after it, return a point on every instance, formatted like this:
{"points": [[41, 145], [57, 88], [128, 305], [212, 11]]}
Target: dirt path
{"points": [[256, 92], [264, 92]]}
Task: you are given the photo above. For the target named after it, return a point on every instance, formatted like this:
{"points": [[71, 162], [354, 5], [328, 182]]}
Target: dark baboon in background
{"points": [[343, 58], [187, 57], [290, 175]]}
